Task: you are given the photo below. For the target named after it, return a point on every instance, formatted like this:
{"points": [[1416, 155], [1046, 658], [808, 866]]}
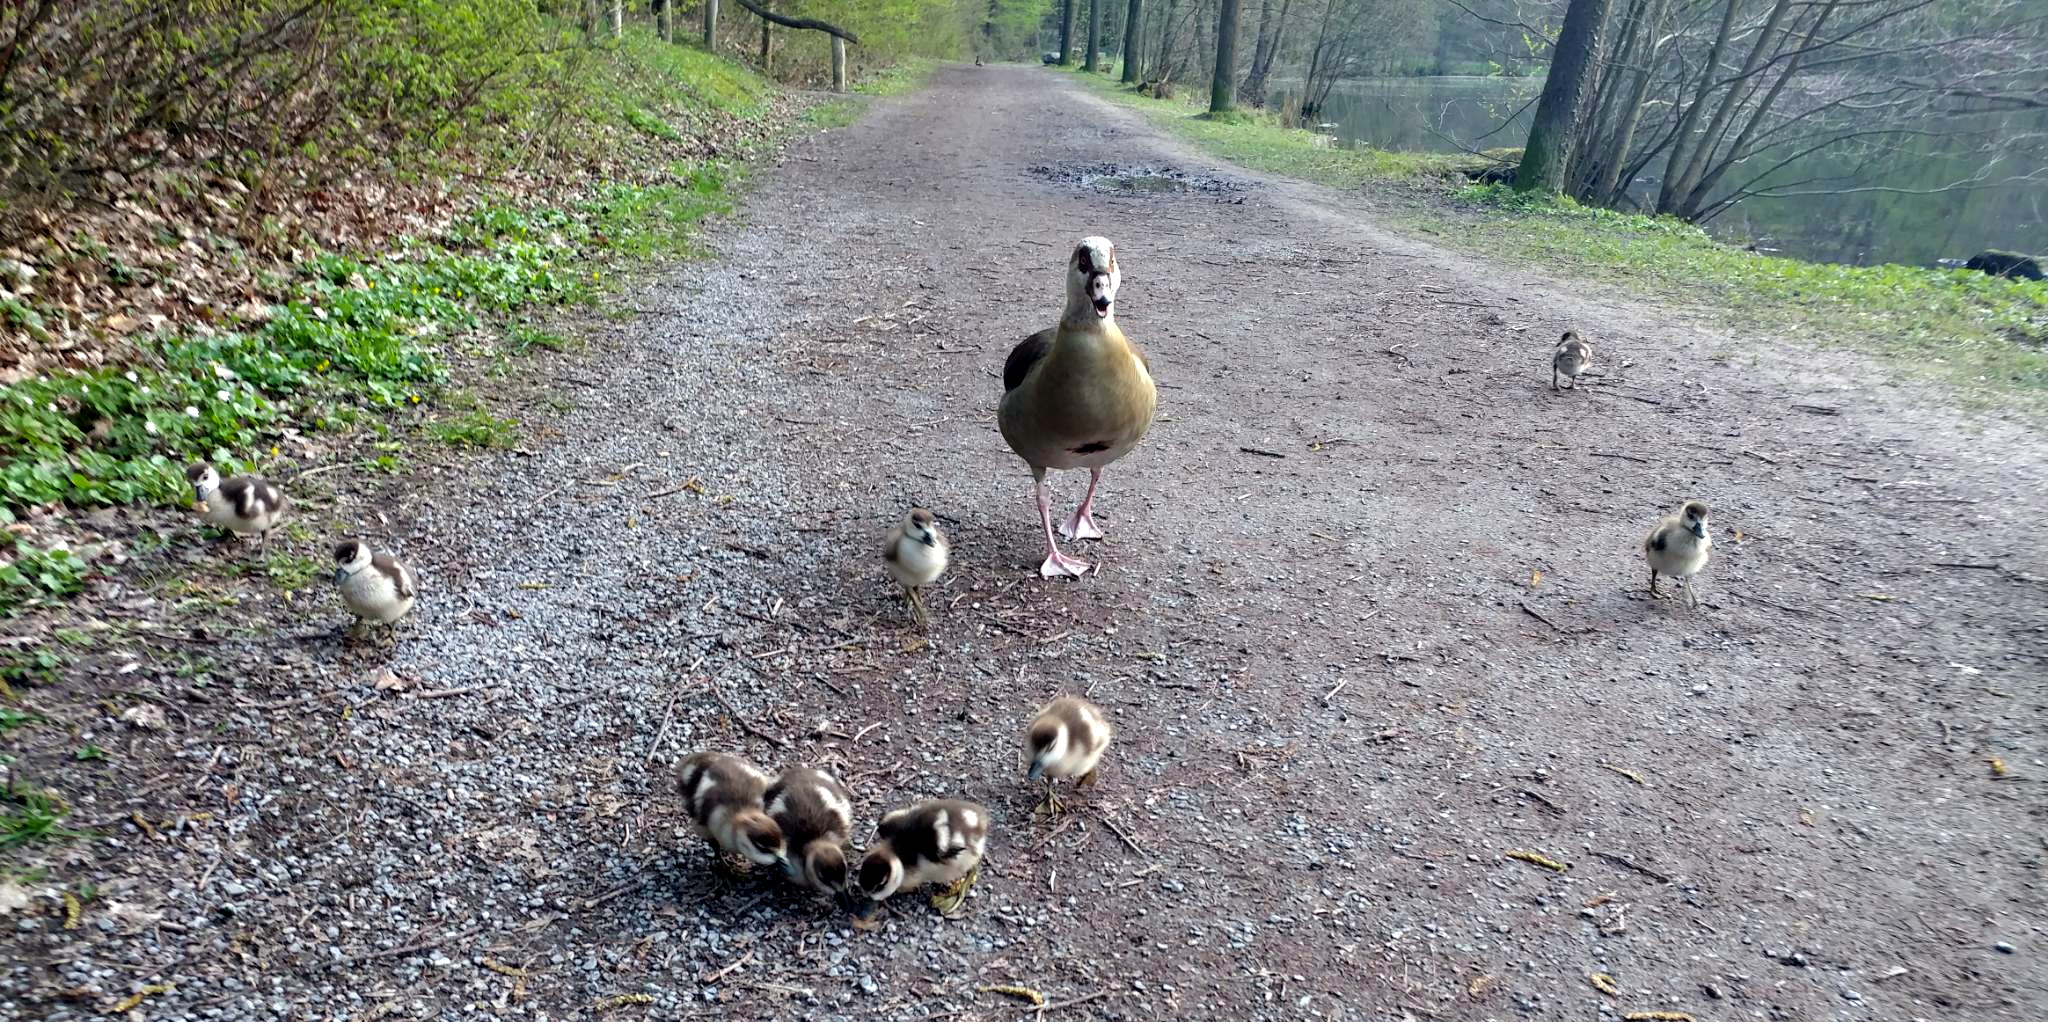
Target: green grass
{"points": [[12, 719], [28, 815], [293, 571], [904, 76], [1986, 336], [478, 428], [832, 113]]}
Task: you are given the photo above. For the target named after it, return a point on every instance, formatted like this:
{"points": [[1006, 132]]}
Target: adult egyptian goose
{"points": [[1079, 395]]}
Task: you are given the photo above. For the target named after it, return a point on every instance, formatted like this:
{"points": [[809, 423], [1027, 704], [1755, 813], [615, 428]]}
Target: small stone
{"points": [[2005, 947], [1794, 959], [1713, 992], [1851, 995]]}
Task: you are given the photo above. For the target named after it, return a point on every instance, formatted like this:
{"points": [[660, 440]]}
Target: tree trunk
{"points": [[1223, 89], [1552, 133], [1682, 135], [1162, 61], [711, 25], [1134, 70], [618, 19], [1694, 200], [1263, 51], [1606, 190], [591, 17], [767, 41], [1067, 32], [1687, 175], [838, 64], [1094, 36], [665, 20]]}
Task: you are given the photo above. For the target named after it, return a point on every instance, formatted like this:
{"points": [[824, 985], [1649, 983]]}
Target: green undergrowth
{"points": [[1986, 336], [904, 76], [371, 338]]}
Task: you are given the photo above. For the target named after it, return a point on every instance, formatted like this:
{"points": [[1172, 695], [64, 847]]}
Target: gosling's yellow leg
{"points": [[918, 611], [1051, 805], [948, 902]]}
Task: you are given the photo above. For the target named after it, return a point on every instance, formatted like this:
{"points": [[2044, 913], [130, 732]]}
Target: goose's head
{"points": [[921, 527], [350, 556], [1694, 515], [1092, 277], [204, 479]]}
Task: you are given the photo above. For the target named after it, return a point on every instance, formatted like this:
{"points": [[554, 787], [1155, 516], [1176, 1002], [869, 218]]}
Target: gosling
{"points": [[243, 505], [916, 554], [1572, 357], [722, 795], [1066, 740], [1679, 547], [815, 814], [376, 587], [939, 842]]}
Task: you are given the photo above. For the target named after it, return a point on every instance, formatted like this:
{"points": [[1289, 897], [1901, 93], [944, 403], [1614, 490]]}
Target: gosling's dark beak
{"points": [[1102, 305], [1037, 770], [1699, 528], [928, 540], [340, 575]]}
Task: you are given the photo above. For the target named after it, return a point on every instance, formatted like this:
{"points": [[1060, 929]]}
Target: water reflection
{"points": [[1451, 114]]}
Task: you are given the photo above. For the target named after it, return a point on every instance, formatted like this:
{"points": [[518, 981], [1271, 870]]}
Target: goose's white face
{"points": [[349, 558], [204, 479], [1092, 274], [1695, 517], [920, 527]]}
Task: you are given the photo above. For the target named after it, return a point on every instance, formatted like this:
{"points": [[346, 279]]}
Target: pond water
{"points": [[1454, 114]]}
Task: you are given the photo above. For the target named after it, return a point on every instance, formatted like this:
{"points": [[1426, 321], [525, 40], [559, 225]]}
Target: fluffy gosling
{"points": [[815, 813], [376, 587], [1679, 547], [243, 505], [1065, 740], [939, 842], [916, 555], [722, 795], [1572, 357]]}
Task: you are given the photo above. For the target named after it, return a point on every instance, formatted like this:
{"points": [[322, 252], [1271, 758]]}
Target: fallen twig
{"points": [[1531, 611], [1096, 996], [1125, 838], [1546, 803], [741, 719], [1624, 457], [1021, 993], [727, 971], [1624, 862], [1625, 772], [1762, 458], [443, 693], [1540, 860], [1964, 564], [1818, 409], [406, 949], [1261, 452]]}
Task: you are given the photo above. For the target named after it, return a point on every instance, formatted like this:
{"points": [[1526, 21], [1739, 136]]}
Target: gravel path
{"points": [[1342, 700]]}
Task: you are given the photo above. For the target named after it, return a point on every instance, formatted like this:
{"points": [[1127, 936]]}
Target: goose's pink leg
{"points": [[1056, 563], [1081, 525]]}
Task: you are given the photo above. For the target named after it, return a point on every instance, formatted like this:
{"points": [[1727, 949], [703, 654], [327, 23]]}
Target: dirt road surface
{"points": [[1344, 695]]}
